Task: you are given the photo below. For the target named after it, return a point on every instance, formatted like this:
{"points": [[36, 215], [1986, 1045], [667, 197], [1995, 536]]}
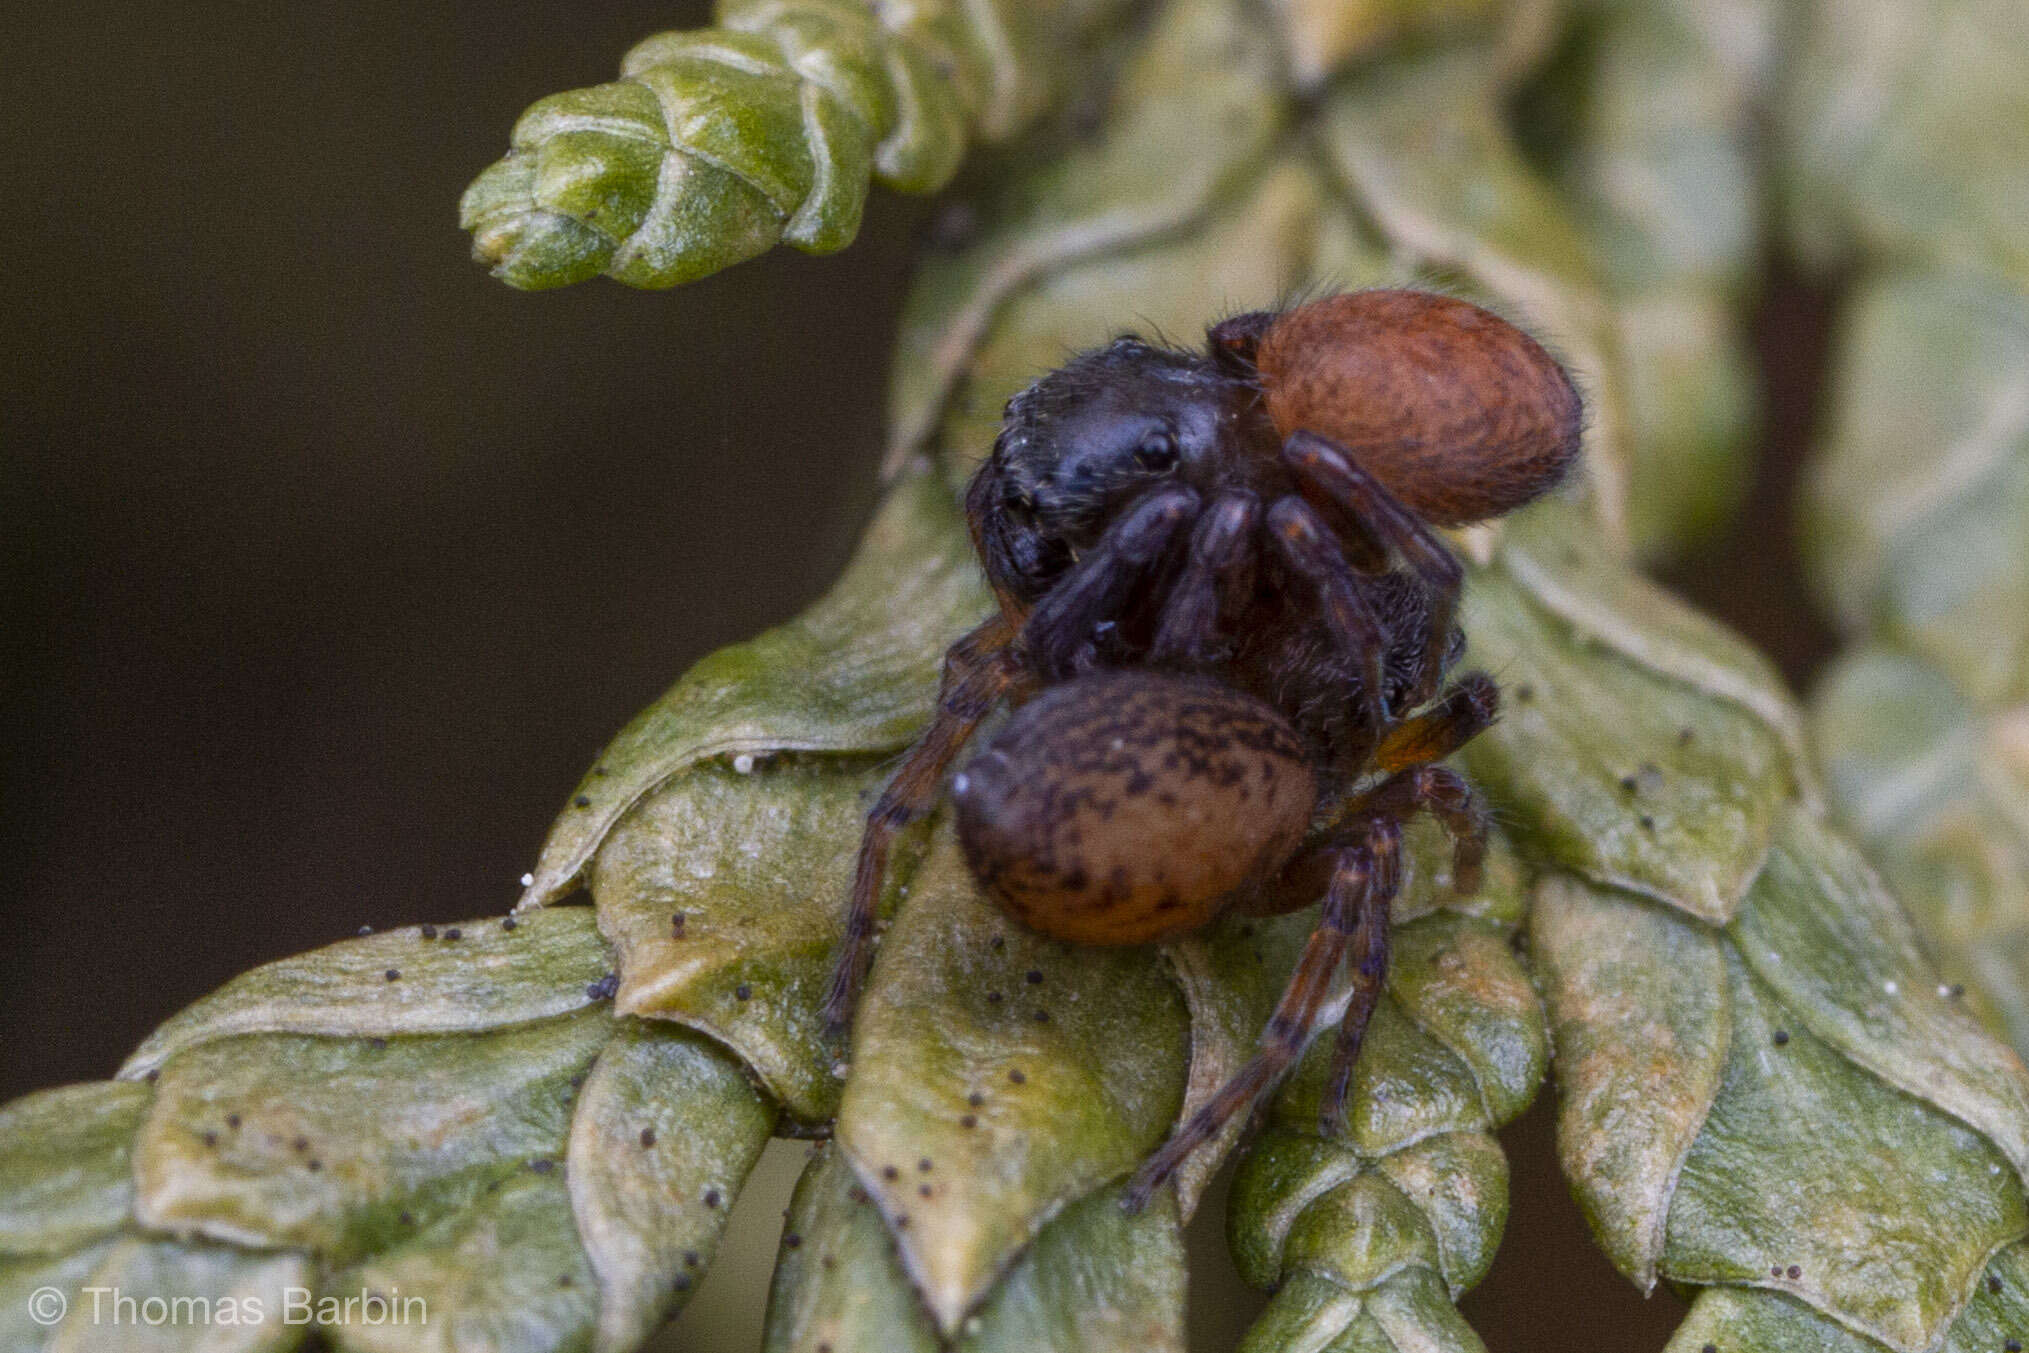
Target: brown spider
{"points": [[1225, 619]]}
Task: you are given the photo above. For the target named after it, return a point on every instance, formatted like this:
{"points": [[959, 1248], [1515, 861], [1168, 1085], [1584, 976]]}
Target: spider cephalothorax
{"points": [[1228, 621]]}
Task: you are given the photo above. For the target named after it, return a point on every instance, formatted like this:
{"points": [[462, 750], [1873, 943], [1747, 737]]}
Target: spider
{"points": [[1225, 622]]}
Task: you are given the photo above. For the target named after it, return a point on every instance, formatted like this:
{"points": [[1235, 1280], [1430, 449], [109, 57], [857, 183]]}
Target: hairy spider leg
{"points": [[1364, 879], [1057, 638], [1329, 476], [1218, 575], [1307, 543], [1370, 968], [979, 671], [1444, 794]]}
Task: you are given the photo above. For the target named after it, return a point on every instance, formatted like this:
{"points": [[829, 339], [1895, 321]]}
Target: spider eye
{"points": [[1158, 452]]}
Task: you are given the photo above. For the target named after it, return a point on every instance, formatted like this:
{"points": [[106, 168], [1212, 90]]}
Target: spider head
{"points": [[1082, 443]]}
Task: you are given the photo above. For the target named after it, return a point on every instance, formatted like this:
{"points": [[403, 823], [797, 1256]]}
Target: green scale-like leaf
{"points": [[1941, 796], [857, 672], [1192, 115], [758, 865], [1095, 1281], [1918, 507], [1903, 132], [1659, 171], [1027, 1072], [1676, 795], [1789, 1104], [1370, 1237], [526, 1179], [717, 143]]}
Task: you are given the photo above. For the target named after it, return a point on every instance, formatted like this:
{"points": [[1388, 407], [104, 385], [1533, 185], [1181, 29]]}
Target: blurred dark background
{"points": [[330, 562]]}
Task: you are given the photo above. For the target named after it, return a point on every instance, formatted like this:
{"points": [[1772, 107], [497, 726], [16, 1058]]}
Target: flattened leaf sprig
{"points": [[494, 1147], [717, 143]]}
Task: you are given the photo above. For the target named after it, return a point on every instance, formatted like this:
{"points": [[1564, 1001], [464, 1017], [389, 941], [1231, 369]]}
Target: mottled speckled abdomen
{"points": [[1125, 807]]}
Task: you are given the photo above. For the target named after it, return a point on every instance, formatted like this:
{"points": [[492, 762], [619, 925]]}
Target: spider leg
{"points": [[1362, 883], [1307, 543], [1217, 576], [1445, 795], [980, 669], [1465, 710], [1060, 628], [1370, 968], [1327, 474]]}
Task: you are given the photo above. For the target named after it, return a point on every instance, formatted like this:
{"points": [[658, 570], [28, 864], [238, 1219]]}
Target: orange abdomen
{"points": [[1125, 807], [1459, 413]]}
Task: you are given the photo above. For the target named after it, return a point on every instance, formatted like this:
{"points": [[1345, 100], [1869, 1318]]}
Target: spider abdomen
{"points": [[1461, 415], [1125, 807]]}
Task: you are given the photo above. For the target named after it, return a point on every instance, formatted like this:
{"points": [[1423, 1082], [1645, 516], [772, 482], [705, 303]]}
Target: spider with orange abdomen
{"points": [[1226, 622]]}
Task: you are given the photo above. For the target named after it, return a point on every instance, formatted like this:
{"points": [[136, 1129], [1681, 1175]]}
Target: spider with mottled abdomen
{"points": [[1226, 622]]}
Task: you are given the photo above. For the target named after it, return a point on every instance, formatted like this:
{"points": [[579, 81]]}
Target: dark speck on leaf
{"points": [[857, 1194], [604, 988], [1955, 990], [997, 942], [792, 1240], [1525, 692], [743, 992], [507, 923], [1709, 1348], [690, 1258], [2013, 1346], [542, 1166], [901, 1221], [1781, 1037], [1775, 1271], [890, 1172], [1684, 736], [407, 1219], [232, 1120], [924, 1190], [682, 1282], [1017, 1076], [969, 1121], [300, 1144], [211, 1139], [583, 801], [454, 933], [1630, 784], [648, 1136], [1794, 1272], [1648, 823], [314, 1164], [1042, 1017], [924, 1164], [1034, 977], [975, 1099], [564, 1280], [676, 923], [377, 1044], [994, 998], [711, 1197], [1993, 1283], [152, 1076], [429, 931]]}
